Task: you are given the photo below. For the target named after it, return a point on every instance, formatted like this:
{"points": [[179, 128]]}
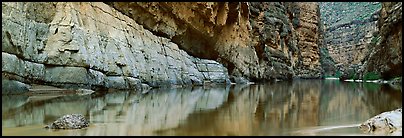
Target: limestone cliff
{"points": [[94, 46], [308, 42], [128, 45], [385, 57], [348, 32], [285, 38], [211, 30], [253, 40]]}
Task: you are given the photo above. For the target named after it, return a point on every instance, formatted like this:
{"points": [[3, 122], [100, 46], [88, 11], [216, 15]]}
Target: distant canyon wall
{"points": [[348, 33], [363, 38]]}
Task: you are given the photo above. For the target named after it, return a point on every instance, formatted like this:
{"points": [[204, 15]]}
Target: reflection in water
{"points": [[301, 107]]}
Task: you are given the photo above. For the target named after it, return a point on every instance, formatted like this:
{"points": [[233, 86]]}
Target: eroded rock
{"points": [[386, 56], [72, 121], [387, 123], [98, 47], [348, 32]]}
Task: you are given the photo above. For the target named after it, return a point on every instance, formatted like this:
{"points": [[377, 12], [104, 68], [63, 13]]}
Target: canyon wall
{"points": [[91, 45], [255, 41], [349, 28], [363, 39], [217, 31], [285, 38], [385, 57], [138, 44]]}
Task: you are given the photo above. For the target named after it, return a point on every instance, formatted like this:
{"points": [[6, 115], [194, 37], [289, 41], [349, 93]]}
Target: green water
{"points": [[301, 107]]}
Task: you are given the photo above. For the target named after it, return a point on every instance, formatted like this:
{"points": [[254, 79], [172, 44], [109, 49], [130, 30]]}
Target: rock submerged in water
{"points": [[72, 121], [388, 123]]}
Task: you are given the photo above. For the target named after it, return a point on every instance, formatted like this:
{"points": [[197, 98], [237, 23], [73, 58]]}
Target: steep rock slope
{"points": [[285, 37], [349, 27], [217, 31], [253, 40], [94, 46], [386, 56], [128, 45]]}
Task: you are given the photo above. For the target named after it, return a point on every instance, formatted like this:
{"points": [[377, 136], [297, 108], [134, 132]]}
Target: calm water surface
{"points": [[301, 107]]}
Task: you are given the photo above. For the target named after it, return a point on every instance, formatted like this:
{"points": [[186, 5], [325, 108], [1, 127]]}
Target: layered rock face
{"points": [[217, 31], [253, 40], [308, 62], [285, 38], [94, 46], [128, 45], [385, 57], [348, 33]]}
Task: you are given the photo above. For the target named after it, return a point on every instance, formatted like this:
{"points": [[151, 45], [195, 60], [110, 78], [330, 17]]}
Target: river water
{"points": [[301, 107]]}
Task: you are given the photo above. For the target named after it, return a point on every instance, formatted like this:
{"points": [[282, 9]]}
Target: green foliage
{"points": [[374, 40], [336, 75], [396, 79], [353, 76], [371, 76]]}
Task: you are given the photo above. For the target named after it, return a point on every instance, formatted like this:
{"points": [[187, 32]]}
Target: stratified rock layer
{"points": [[211, 30], [124, 45], [92, 45], [349, 28], [386, 55], [253, 40]]}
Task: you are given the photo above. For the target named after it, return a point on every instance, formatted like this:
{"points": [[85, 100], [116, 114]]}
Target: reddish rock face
{"points": [[386, 56], [237, 34], [211, 30]]}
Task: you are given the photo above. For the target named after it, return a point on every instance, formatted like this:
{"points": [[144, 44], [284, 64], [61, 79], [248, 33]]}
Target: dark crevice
{"points": [[232, 16], [229, 65], [196, 44], [191, 41]]}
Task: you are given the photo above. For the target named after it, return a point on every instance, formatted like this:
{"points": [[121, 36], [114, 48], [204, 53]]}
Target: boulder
{"points": [[72, 121], [387, 123]]}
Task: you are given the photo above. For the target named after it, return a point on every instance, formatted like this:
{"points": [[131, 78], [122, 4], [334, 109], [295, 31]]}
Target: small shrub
{"points": [[353, 76], [338, 74], [371, 76], [374, 40]]}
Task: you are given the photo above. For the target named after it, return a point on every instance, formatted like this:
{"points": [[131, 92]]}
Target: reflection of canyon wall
{"points": [[124, 113], [31, 111], [159, 110], [270, 109], [259, 110], [273, 109]]}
